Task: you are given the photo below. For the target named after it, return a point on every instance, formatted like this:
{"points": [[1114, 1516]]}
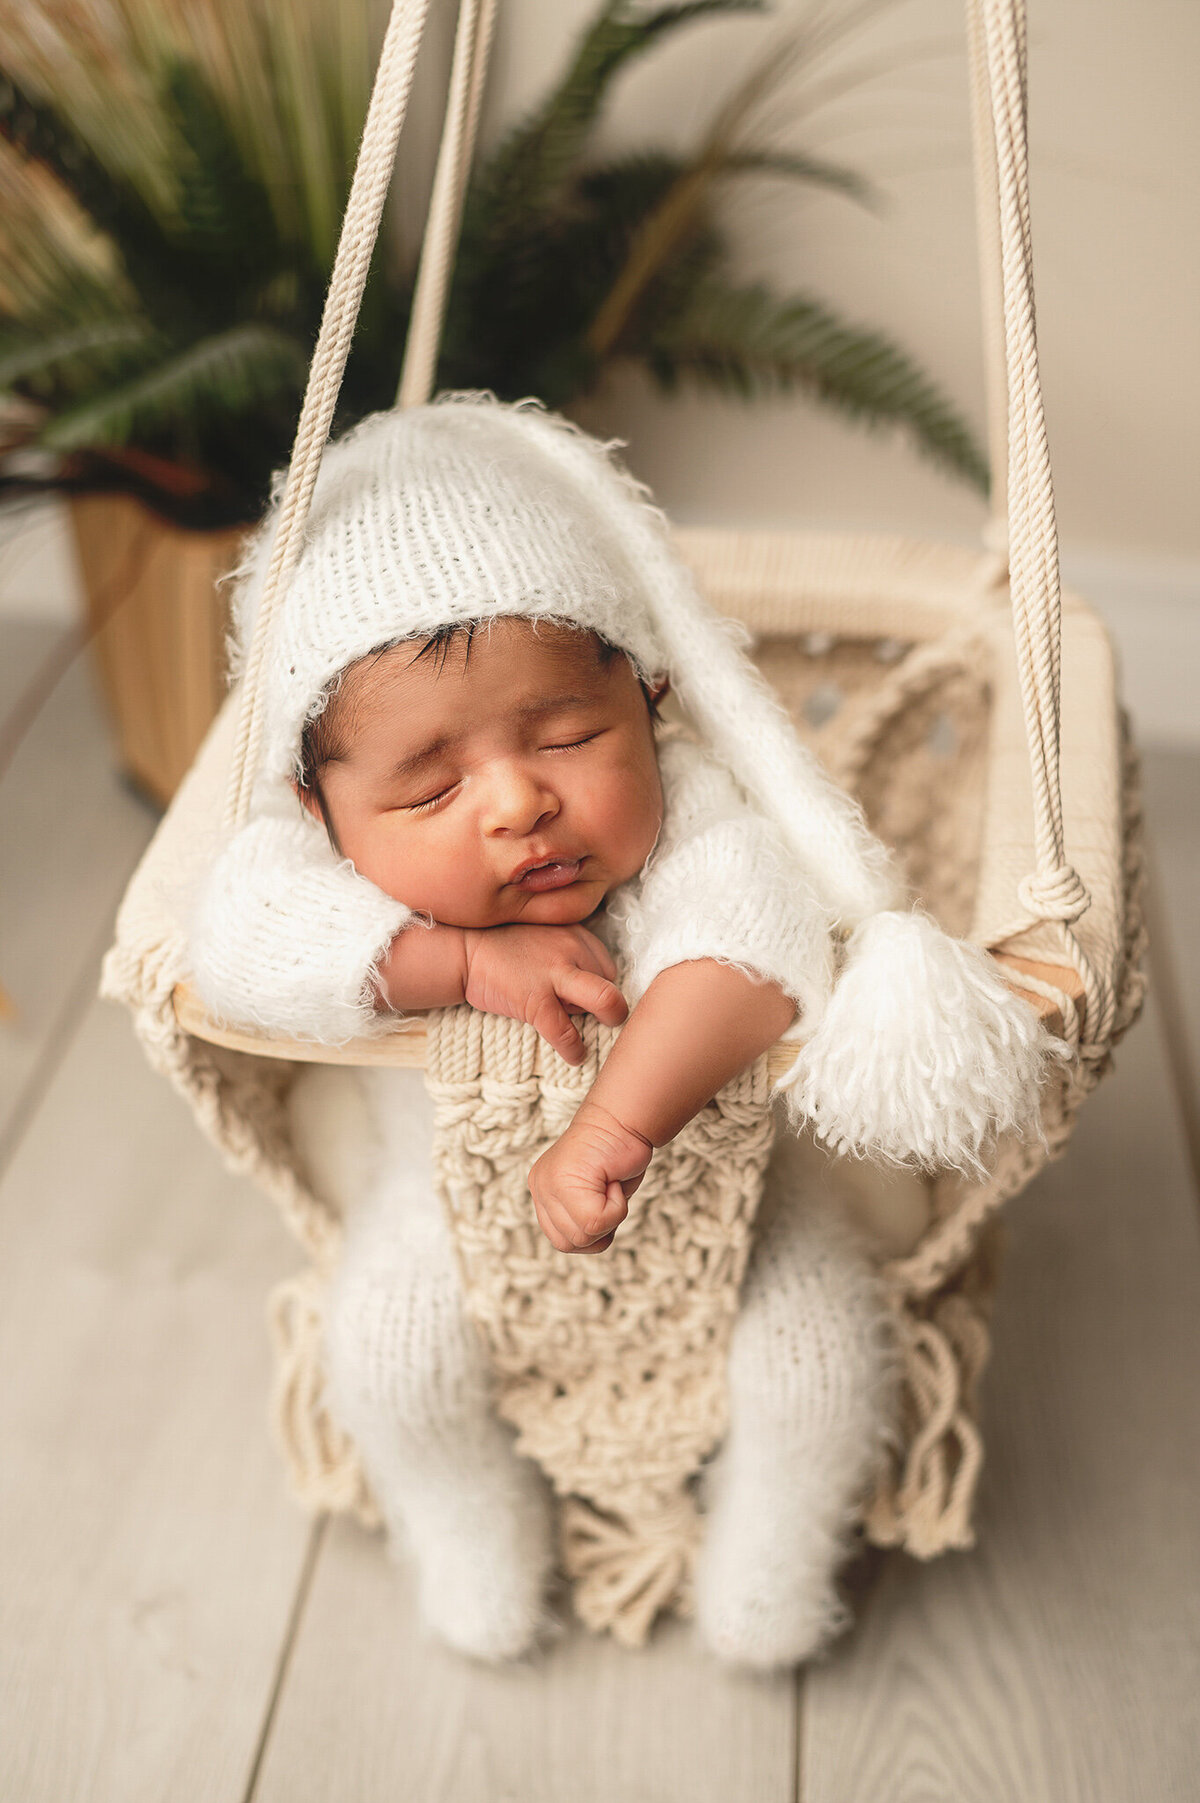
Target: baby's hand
{"points": [[582, 1185], [535, 973]]}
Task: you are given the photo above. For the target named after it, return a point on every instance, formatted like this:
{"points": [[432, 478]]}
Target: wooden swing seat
{"points": [[406, 1047]]}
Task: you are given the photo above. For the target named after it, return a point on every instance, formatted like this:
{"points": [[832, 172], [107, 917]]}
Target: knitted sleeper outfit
{"points": [[469, 510]]}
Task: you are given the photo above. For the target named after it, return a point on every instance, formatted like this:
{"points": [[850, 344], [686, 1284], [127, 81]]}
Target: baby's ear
{"points": [[308, 801]]}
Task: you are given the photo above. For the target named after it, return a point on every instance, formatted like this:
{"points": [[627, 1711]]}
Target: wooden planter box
{"points": [[158, 624]]}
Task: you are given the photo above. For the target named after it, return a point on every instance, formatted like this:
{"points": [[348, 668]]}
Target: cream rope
{"points": [[368, 191], [360, 228], [476, 20], [1055, 892], [987, 232]]}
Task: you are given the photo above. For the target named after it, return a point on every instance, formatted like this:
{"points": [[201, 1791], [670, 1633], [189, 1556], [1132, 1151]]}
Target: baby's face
{"points": [[514, 781]]}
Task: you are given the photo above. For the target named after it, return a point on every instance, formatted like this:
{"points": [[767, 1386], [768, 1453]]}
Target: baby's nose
{"points": [[517, 802]]}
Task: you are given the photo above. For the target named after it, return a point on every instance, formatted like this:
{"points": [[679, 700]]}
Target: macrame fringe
{"points": [[627, 1570], [322, 1462], [926, 1505]]}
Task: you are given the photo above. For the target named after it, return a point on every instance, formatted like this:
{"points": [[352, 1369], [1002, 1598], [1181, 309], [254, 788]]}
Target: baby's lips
{"points": [[550, 873]]}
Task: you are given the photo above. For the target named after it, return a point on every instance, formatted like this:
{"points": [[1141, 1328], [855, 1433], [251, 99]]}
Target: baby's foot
{"points": [[765, 1590], [483, 1562]]}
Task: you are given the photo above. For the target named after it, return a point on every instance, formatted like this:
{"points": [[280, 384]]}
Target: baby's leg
{"points": [[811, 1399], [409, 1380]]}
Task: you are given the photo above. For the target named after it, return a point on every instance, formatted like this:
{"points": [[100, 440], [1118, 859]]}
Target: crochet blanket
{"points": [[596, 1356]]}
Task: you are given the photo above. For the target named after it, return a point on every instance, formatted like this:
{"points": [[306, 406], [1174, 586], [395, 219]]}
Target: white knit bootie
{"points": [[408, 1380], [810, 1403]]}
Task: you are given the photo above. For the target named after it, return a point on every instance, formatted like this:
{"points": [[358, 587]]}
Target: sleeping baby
{"points": [[467, 794]]}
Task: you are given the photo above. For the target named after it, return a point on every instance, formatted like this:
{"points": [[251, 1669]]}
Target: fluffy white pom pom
{"points": [[923, 1054]]}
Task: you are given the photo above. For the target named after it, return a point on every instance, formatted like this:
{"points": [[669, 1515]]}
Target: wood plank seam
{"points": [[316, 1541]]}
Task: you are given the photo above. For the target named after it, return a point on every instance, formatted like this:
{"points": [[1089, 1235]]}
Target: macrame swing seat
{"points": [[902, 670]]}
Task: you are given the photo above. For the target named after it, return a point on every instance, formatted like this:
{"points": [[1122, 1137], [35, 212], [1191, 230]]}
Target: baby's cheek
{"points": [[392, 856], [632, 818], [445, 873]]}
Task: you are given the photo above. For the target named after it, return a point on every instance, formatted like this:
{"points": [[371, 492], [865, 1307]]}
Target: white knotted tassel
{"points": [[924, 1055]]}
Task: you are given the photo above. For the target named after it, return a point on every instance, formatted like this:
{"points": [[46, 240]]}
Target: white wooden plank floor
{"points": [[170, 1627], [70, 833]]}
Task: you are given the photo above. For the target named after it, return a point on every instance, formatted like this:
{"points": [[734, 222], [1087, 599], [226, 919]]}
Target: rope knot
{"points": [[1055, 894]]}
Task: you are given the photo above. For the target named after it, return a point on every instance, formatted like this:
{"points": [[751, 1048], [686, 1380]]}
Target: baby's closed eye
{"points": [[429, 801], [573, 744]]}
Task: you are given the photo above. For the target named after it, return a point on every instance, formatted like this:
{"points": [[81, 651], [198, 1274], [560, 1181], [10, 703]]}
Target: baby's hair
{"points": [[326, 738]]}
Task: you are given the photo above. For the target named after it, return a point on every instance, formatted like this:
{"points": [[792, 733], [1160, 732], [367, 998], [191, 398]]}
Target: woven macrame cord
{"points": [[1055, 892]]}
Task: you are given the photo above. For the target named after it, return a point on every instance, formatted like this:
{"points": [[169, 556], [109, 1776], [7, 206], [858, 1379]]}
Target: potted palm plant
{"points": [[171, 186]]}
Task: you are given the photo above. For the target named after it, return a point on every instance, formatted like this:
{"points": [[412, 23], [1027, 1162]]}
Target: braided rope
{"points": [[1054, 892], [360, 227], [987, 233], [472, 45]]}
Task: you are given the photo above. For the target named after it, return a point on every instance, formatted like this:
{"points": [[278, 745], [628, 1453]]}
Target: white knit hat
{"points": [[471, 509]]}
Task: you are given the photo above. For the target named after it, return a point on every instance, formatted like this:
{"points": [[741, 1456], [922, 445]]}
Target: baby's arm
{"points": [[719, 899], [697, 1025], [529, 973]]}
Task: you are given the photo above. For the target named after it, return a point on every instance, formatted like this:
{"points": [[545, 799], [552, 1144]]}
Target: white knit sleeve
{"points": [[285, 937], [720, 884]]}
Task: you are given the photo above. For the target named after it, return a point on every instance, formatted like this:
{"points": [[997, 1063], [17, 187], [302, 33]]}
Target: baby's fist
{"points": [[581, 1186]]}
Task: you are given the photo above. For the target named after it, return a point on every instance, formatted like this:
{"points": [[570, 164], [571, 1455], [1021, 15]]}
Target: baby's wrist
{"points": [[423, 967], [599, 1118]]}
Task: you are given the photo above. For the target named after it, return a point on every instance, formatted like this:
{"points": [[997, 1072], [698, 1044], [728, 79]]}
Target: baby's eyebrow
{"points": [[417, 761], [553, 704]]}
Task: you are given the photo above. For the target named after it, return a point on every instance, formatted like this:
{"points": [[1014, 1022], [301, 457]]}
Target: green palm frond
{"points": [[536, 161], [519, 309], [225, 228], [795, 165], [230, 373], [747, 341], [171, 201], [73, 357]]}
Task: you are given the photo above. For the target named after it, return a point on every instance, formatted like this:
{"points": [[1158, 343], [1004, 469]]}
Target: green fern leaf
{"points": [[225, 231], [73, 355], [519, 313], [230, 373], [796, 165], [533, 164], [749, 342]]}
